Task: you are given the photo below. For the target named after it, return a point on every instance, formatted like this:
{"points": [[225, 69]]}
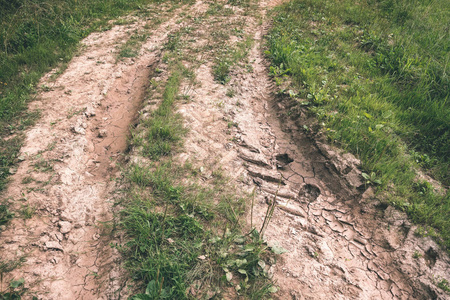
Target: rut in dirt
{"points": [[341, 243]]}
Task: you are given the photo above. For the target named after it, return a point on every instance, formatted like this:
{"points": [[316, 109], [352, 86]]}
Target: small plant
{"points": [[231, 124], [417, 254], [43, 165], [5, 215], [443, 284], [16, 290], [371, 179], [230, 92], [221, 72], [27, 211], [128, 52]]}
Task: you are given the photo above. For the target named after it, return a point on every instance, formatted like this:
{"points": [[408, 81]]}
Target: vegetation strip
{"points": [[184, 239], [374, 73]]}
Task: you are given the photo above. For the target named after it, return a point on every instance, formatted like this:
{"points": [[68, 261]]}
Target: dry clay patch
{"points": [[66, 179], [341, 243]]}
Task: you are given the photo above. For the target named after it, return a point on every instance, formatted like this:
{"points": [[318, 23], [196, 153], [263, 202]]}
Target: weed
{"points": [[444, 285], [27, 211], [231, 124], [5, 215], [221, 72], [230, 92], [43, 165], [74, 112], [128, 52], [16, 288], [417, 254]]}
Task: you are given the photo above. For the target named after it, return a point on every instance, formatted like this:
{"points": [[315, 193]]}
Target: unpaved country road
{"points": [[341, 242]]}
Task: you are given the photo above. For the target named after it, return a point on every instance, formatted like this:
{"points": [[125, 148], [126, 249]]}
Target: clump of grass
{"points": [[163, 130], [221, 72], [16, 287], [132, 45], [228, 57], [374, 74], [5, 215], [9, 151], [444, 285]]}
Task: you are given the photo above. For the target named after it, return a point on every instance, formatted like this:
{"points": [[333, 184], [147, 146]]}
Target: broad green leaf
{"points": [[240, 262], [262, 264], [273, 289], [16, 283], [229, 276], [278, 249]]}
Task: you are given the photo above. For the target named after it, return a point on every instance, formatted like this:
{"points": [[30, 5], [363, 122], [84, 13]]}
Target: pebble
{"points": [[53, 245], [65, 227]]}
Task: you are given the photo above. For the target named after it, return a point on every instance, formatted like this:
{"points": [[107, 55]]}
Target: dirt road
{"points": [[341, 242]]}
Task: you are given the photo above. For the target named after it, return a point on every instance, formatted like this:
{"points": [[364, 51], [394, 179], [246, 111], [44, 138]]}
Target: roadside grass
{"points": [[374, 73], [34, 38]]}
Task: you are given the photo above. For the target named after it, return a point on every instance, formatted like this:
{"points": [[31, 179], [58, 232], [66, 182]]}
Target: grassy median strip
{"points": [[375, 75], [185, 228]]}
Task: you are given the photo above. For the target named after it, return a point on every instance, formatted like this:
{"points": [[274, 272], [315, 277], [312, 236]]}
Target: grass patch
{"points": [[374, 73], [5, 215], [228, 57], [132, 45]]}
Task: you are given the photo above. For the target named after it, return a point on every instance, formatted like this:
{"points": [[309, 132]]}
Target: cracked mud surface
{"points": [[342, 243]]}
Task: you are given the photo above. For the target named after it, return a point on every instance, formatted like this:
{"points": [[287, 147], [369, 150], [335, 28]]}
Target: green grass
{"points": [[5, 214], [375, 75], [36, 36]]}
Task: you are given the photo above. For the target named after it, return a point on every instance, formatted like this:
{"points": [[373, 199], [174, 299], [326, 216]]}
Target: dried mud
{"points": [[341, 242]]}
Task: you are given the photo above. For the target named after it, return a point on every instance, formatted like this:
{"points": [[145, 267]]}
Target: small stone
{"points": [[102, 133], [53, 245], [89, 112], [202, 257], [65, 227], [79, 130]]}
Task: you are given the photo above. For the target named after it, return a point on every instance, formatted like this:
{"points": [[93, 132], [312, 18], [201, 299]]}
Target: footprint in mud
{"points": [[283, 160], [310, 192]]}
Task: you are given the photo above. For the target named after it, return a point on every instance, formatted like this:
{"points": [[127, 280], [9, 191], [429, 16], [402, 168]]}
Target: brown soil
{"points": [[341, 242]]}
